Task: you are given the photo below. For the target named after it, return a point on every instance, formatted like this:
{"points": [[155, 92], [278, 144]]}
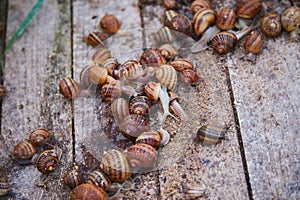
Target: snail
{"points": [[95, 38], [109, 24], [167, 76], [4, 186], [69, 88], [171, 4], [168, 51], [112, 65], [100, 179], [201, 44], [202, 19], [195, 191], [88, 191], [110, 91], [290, 21], [46, 161], [211, 134], [164, 35], [199, 4], [2, 91], [99, 75], [226, 18], [181, 64], [169, 14], [73, 178], [151, 137], [39, 136], [270, 24], [100, 55], [85, 82], [152, 57], [140, 105], [253, 45], [248, 8], [132, 71], [116, 166], [189, 76], [176, 107], [119, 109], [141, 156], [24, 151], [134, 125], [182, 24]]}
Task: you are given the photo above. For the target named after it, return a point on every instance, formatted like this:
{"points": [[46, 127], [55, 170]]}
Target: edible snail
{"points": [[73, 178], [24, 151], [167, 76], [248, 8], [189, 76], [69, 88], [195, 191], [39, 136], [290, 21], [164, 35], [116, 166], [100, 179], [100, 55], [152, 57], [99, 75], [4, 186], [151, 137], [112, 65], [203, 18], [253, 45], [226, 18], [95, 38], [169, 14], [211, 134], [46, 161], [181, 64], [168, 51], [171, 4], [134, 125], [140, 105], [2, 91], [88, 191], [119, 109], [199, 4], [109, 24], [270, 24], [110, 91], [182, 24]]}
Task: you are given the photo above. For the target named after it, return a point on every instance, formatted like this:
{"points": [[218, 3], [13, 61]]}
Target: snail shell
{"points": [[226, 18], [134, 125], [203, 18], [181, 64], [195, 191], [167, 76], [182, 24], [100, 55], [24, 150], [171, 4], [199, 4], [69, 88], [99, 179], [176, 107], [248, 8], [270, 24], [152, 56], [4, 186], [131, 70], [169, 14], [95, 38], [164, 35], [152, 90], [46, 161], [99, 75], [223, 42], [39, 136], [211, 134], [88, 191], [290, 20], [109, 23], [119, 109], [111, 64], [116, 166], [140, 105], [151, 137], [2, 91], [110, 91], [141, 155], [168, 51], [189, 76], [254, 42], [72, 178], [85, 81]]}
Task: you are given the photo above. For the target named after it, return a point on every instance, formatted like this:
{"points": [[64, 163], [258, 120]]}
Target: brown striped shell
{"points": [[109, 24], [270, 24], [134, 125], [72, 178], [171, 4], [182, 24], [141, 155], [95, 38], [290, 18], [211, 134], [39, 136], [199, 4], [131, 70], [226, 18], [168, 51], [169, 14], [223, 42], [167, 76], [140, 105], [152, 90], [116, 166], [99, 75], [203, 18], [2, 91], [196, 191], [69, 88], [85, 81], [24, 150], [100, 55], [88, 191], [189, 76], [151, 137], [111, 91], [119, 109], [254, 42], [153, 57], [164, 35], [248, 8], [100, 179], [46, 161], [181, 64], [4, 186], [111, 64]]}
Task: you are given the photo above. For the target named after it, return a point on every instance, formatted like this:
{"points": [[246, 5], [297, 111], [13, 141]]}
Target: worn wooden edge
{"points": [[34, 65]]}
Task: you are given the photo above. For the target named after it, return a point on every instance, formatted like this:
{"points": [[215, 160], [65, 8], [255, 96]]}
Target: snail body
{"points": [[4, 186], [39, 136], [69, 88], [116, 166], [211, 134], [100, 179], [109, 23], [24, 151], [202, 19], [151, 137], [88, 191], [270, 24], [176, 107], [46, 161], [111, 64], [72, 178]]}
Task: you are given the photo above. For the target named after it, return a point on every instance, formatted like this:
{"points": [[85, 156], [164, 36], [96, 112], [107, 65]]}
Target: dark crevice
{"points": [[239, 135], [72, 71]]}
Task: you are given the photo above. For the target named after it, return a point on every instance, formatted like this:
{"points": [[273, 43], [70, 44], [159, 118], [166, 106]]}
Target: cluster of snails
{"points": [[216, 28], [31, 151]]}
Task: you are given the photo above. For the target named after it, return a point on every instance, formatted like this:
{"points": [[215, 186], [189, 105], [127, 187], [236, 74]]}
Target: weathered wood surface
{"points": [[264, 117]]}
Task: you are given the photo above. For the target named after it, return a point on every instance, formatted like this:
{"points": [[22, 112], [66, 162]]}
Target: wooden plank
{"points": [[267, 102], [33, 99]]}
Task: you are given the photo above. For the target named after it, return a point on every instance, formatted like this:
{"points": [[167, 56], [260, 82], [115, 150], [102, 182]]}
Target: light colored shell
{"points": [[134, 125], [270, 24], [109, 23], [169, 14], [46, 161], [290, 18], [24, 150], [131, 70], [248, 8], [39, 136], [167, 76], [99, 75], [95, 38], [69, 88], [4, 186], [119, 109], [151, 137], [111, 64], [164, 35], [195, 191], [203, 18], [88, 191], [199, 4], [226, 18], [211, 134], [168, 51], [116, 166], [171, 4], [254, 42], [99, 179], [72, 178], [181, 64], [100, 55], [152, 90], [140, 105]]}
